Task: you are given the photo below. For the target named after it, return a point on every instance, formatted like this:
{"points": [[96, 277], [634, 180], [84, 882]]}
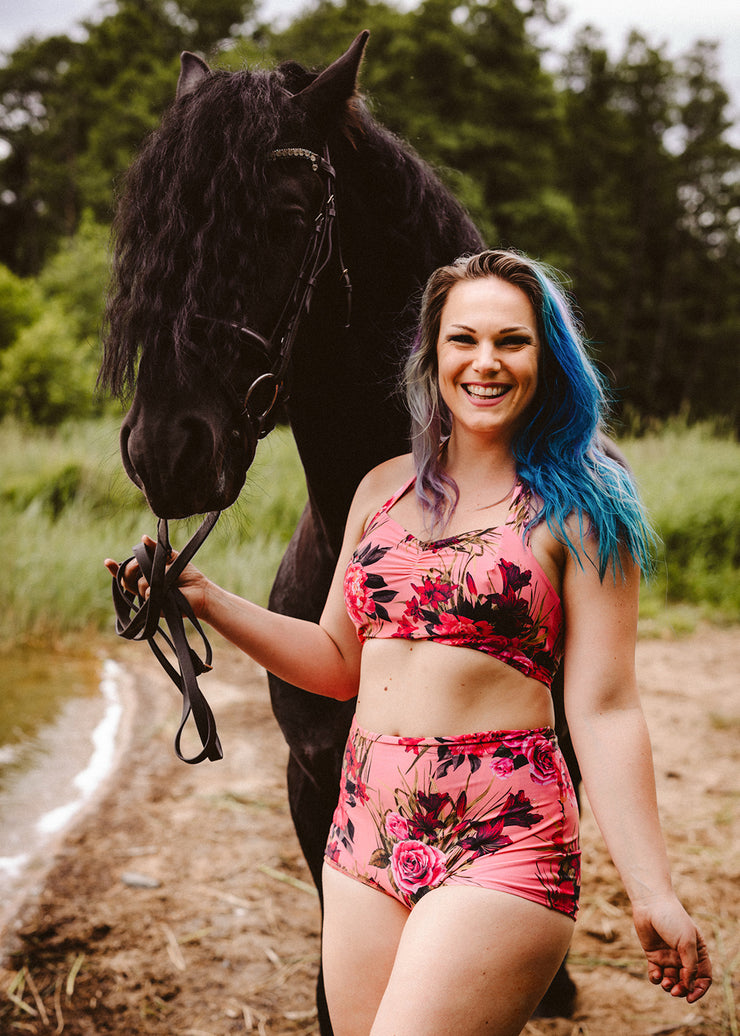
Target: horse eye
{"points": [[290, 220]]}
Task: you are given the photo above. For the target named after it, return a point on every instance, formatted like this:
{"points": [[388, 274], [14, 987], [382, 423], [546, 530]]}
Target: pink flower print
{"points": [[514, 578], [416, 866], [340, 816], [541, 760], [405, 629], [485, 836], [433, 592], [459, 627], [502, 765], [473, 744], [333, 850], [412, 744], [518, 810], [356, 787], [358, 600], [397, 826], [566, 783]]}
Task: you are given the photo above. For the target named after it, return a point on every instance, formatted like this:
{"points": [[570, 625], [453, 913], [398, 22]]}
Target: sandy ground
{"points": [[180, 904]]}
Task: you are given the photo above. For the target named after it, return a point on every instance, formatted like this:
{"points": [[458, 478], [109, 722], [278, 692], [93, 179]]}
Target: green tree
{"points": [[76, 277], [653, 181], [464, 83], [47, 375], [49, 331], [20, 305], [73, 112]]}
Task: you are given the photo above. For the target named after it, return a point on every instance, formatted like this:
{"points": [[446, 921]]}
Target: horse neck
{"points": [[397, 224]]}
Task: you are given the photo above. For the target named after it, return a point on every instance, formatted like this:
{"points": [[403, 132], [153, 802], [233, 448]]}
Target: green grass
{"points": [[690, 481], [65, 504]]}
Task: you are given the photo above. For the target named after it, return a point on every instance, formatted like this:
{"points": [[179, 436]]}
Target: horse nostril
{"points": [[128, 463]]}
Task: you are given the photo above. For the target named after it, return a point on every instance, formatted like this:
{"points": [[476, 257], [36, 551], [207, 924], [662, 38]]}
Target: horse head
{"points": [[224, 228]]}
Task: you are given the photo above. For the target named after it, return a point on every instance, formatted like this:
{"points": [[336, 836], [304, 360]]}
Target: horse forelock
{"points": [[191, 224]]}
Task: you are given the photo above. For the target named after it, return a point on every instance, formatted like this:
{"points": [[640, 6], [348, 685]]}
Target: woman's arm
{"points": [[612, 744], [322, 657]]}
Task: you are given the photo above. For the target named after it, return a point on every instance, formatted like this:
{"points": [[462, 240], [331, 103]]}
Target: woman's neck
{"points": [[468, 460]]}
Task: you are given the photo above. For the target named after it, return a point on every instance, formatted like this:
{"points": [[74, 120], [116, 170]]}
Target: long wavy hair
{"points": [[558, 452]]}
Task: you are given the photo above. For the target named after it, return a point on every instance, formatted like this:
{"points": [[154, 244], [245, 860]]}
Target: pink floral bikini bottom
{"points": [[497, 810]]}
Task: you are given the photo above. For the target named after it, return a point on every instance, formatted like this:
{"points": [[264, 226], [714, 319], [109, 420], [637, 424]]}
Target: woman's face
{"points": [[488, 354]]}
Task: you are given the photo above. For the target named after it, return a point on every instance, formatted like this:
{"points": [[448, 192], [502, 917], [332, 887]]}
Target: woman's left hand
{"points": [[675, 949]]}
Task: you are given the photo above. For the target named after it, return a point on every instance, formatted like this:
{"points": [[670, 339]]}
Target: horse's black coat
{"points": [[207, 226]]}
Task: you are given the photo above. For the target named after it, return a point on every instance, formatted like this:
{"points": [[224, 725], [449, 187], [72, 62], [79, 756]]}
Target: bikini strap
{"points": [[388, 504], [398, 494]]}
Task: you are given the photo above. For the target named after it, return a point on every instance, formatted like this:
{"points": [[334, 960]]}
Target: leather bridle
{"points": [[139, 618], [277, 350]]}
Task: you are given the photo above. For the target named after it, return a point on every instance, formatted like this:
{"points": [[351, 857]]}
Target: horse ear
{"points": [[337, 83], [193, 70]]}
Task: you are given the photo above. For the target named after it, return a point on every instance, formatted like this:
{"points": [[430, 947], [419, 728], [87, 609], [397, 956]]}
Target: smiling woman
{"points": [[488, 357]]}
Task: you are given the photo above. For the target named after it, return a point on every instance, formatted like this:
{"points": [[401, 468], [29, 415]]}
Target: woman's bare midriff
{"points": [[417, 688]]}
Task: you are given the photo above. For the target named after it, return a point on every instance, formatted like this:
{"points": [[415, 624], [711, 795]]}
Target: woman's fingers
{"points": [[132, 578]]}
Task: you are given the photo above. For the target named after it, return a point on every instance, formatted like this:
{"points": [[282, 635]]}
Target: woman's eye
{"points": [[516, 342], [463, 339]]}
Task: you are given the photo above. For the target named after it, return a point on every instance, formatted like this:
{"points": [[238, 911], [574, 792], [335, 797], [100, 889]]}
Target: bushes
{"points": [[49, 327]]}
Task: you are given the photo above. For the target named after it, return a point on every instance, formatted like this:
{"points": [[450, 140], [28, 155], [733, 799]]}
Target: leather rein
{"points": [[139, 618]]}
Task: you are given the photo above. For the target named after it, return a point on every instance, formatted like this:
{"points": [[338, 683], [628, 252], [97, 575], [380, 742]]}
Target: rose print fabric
{"points": [[497, 810], [482, 590]]}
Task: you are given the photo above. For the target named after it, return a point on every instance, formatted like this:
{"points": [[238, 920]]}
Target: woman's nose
{"points": [[486, 357]]}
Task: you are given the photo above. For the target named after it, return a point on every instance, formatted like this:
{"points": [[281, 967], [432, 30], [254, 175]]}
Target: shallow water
{"points": [[59, 718]]}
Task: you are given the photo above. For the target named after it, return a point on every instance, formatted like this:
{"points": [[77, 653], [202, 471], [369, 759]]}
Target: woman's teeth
{"points": [[486, 391]]}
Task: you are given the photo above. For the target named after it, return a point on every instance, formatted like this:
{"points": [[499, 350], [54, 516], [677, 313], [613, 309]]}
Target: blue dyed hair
{"points": [[559, 453]]}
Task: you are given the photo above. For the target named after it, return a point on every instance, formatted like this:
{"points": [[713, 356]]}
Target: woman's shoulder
{"points": [[381, 483]]}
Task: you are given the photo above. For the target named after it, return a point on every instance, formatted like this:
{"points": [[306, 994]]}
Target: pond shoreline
{"points": [[78, 754]]}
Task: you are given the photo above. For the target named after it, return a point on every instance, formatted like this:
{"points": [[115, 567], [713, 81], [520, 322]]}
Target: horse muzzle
{"points": [[186, 462]]}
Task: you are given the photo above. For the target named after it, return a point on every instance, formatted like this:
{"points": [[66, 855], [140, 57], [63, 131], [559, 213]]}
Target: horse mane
{"points": [[191, 229]]}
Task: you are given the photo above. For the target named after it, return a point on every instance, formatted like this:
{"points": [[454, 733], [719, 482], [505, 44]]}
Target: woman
{"points": [[505, 545]]}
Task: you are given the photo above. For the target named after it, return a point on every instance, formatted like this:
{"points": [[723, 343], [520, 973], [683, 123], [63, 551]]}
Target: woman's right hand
{"points": [[191, 582]]}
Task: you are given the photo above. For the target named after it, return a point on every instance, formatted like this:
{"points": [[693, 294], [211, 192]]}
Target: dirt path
{"points": [[180, 905]]}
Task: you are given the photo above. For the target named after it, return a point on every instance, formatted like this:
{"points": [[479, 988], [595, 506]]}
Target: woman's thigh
{"points": [[470, 961], [361, 933]]}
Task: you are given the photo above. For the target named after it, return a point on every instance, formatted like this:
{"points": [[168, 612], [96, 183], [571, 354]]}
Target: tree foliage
{"points": [[620, 171], [49, 330]]}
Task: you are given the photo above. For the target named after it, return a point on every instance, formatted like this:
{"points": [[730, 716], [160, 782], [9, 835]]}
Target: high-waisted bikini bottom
{"points": [[496, 810]]}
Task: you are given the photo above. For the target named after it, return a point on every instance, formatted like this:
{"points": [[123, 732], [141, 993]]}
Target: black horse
{"points": [[260, 196]]}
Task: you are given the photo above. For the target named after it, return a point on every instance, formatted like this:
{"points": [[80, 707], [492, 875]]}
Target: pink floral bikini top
{"points": [[483, 589]]}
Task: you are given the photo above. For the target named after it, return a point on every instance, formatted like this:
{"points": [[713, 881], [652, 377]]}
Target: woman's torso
{"points": [[420, 687]]}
